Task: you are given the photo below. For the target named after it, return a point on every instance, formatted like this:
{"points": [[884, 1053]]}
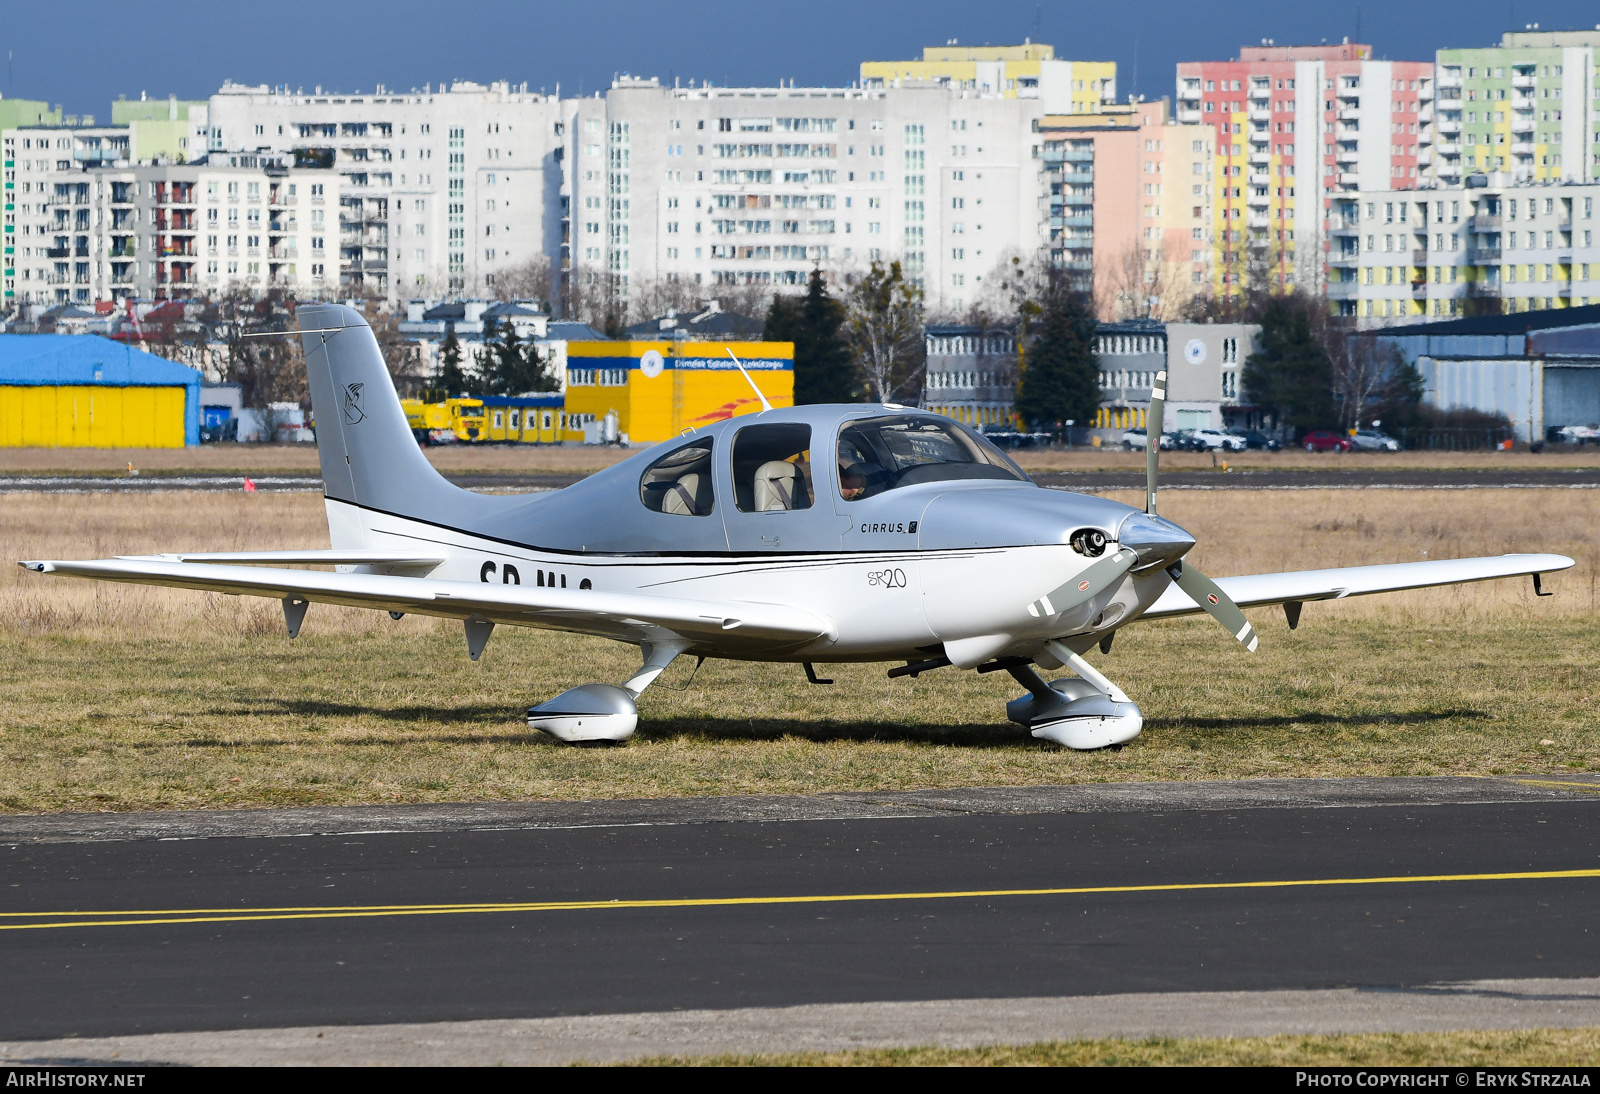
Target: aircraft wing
{"points": [[1302, 585], [629, 616]]}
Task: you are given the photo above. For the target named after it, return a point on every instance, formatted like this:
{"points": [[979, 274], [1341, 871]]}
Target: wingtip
{"points": [[36, 567]]}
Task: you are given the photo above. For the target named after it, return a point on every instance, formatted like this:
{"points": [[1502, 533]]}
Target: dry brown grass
{"points": [[121, 697], [257, 459], [1508, 1048]]}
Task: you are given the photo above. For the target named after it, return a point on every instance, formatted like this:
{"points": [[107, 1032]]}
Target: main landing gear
{"points": [[603, 712], [1083, 713]]}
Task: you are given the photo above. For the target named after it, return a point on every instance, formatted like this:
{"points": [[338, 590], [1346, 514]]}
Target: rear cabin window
{"points": [[772, 468], [679, 483], [881, 454]]}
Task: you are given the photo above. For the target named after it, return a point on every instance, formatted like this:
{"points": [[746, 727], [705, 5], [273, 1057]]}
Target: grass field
{"points": [[262, 459], [121, 697], [1518, 1048]]}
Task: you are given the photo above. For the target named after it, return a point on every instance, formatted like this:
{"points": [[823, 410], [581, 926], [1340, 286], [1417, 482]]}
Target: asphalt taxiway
{"points": [[1326, 892]]}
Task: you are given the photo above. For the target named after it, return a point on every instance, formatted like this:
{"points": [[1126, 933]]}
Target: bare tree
{"points": [[530, 280], [883, 323], [1369, 377]]}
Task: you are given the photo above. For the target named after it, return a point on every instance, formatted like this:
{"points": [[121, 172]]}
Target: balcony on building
{"points": [[1522, 125], [1349, 178], [1484, 222], [1523, 148], [1481, 256], [1259, 221], [1187, 116], [1260, 158], [1419, 256], [1448, 148], [1346, 155], [1349, 113], [1425, 114], [1260, 114], [1450, 126], [1446, 78], [1523, 79], [1260, 179]]}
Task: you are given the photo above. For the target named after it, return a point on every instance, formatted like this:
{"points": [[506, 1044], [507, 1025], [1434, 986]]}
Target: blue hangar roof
{"points": [[44, 360], [86, 359]]}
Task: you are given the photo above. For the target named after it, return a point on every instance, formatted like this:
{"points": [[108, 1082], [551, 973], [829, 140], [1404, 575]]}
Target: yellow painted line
{"points": [[251, 915], [1587, 788]]}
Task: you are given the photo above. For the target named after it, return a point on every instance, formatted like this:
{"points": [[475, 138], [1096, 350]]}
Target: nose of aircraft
{"points": [[1155, 540]]}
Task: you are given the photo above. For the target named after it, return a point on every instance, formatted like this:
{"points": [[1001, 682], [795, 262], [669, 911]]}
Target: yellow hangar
{"points": [[659, 389], [84, 391]]}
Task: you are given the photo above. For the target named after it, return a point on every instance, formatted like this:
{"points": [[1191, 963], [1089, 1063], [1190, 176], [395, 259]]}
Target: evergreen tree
{"points": [[1290, 375], [822, 372], [515, 367], [1060, 381], [452, 380]]}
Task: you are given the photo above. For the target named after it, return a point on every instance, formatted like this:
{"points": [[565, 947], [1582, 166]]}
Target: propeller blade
{"points": [[1216, 603], [1090, 583], [1152, 439]]}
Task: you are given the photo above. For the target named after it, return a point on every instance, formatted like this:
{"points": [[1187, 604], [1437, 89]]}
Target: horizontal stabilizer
{"points": [[1257, 589], [625, 615]]}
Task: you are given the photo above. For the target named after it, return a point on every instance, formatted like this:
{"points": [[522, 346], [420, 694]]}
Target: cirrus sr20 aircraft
{"points": [[808, 535]]}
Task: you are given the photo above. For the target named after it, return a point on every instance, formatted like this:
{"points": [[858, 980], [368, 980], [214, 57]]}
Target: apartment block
{"points": [[1296, 127], [756, 186], [1028, 71], [111, 228], [441, 190], [1526, 107], [1452, 251], [1129, 195]]}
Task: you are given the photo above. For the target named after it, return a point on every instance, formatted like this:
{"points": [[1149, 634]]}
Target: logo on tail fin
{"points": [[353, 411]]}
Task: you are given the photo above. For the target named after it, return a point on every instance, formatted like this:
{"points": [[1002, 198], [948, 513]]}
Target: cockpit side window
{"points": [[679, 483], [881, 454], [772, 468]]}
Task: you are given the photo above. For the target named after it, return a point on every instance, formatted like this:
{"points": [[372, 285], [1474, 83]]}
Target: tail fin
{"points": [[369, 456]]}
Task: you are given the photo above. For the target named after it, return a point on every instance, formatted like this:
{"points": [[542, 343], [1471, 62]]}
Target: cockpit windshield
{"points": [[881, 454]]}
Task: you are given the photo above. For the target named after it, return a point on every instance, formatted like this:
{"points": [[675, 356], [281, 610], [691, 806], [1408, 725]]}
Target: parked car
{"points": [[1211, 439], [1575, 434], [1134, 440], [1370, 440], [1320, 440], [1257, 440]]}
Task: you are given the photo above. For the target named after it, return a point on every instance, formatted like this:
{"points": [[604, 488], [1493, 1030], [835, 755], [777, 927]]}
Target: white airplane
{"points": [[809, 535]]}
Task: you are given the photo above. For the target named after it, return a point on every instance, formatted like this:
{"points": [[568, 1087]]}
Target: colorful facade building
{"points": [[1525, 107], [659, 389], [1130, 204], [1490, 248], [1028, 71], [1296, 127]]}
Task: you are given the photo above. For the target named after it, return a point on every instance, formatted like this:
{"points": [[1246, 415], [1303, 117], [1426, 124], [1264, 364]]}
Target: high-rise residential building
{"points": [[1526, 107], [756, 186], [1129, 205], [1480, 249], [94, 223], [1028, 71], [441, 189], [42, 151], [1296, 127]]}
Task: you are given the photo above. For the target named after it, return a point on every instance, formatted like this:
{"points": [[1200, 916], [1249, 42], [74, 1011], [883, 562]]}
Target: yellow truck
{"points": [[447, 422]]}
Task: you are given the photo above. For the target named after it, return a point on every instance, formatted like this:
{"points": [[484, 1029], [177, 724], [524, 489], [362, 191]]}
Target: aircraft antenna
{"points": [[747, 379]]}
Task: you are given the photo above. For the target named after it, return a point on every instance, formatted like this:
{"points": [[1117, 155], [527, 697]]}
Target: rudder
{"points": [[368, 453]]}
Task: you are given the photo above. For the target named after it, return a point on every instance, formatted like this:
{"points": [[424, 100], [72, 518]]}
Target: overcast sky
{"points": [[85, 59]]}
